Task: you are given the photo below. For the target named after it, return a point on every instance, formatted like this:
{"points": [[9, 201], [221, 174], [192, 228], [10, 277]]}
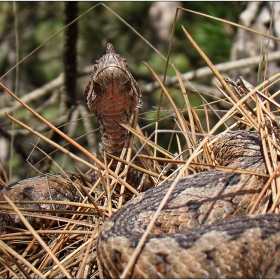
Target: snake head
{"points": [[112, 82]]}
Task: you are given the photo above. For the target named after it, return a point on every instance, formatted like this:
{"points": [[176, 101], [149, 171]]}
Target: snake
{"points": [[204, 230], [112, 94]]}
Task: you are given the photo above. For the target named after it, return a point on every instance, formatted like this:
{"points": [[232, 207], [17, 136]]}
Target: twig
{"points": [[39, 239], [67, 138]]}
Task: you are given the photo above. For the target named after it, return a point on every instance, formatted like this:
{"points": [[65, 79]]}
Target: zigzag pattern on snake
{"points": [[178, 246], [186, 240], [203, 230]]}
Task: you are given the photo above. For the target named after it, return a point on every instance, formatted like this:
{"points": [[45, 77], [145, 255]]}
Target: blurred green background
{"points": [[37, 21]]}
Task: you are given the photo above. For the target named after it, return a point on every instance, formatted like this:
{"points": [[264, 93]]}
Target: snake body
{"points": [[242, 247], [203, 231], [190, 238]]}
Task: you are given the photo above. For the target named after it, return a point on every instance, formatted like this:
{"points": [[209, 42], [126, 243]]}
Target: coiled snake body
{"points": [[190, 238], [203, 231], [178, 246]]}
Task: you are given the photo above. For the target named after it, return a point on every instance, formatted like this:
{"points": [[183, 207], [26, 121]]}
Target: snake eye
{"points": [[96, 87], [127, 86], [91, 89]]}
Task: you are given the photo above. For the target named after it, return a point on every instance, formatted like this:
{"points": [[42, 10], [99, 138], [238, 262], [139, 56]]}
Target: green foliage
{"points": [[38, 21]]}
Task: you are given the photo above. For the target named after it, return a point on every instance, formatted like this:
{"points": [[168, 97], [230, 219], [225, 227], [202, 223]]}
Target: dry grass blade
{"points": [[188, 105], [143, 170], [200, 128], [190, 139], [70, 203], [147, 141], [107, 186], [188, 162], [79, 274], [61, 212], [22, 259], [11, 236], [267, 185], [54, 218], [220, 78], [174, 107], [82, 149], [208, 166], [231, 23], [39, 239]]}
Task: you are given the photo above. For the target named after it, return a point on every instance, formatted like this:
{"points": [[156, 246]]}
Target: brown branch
{"points": [[70, 53]]}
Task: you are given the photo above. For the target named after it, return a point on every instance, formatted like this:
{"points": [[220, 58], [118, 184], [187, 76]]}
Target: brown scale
{"points": [[47, 187], [112, 94], [203, 231]]}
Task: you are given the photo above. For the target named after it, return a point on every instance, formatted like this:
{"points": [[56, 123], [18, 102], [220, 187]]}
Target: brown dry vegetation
{"points": [[188, 124]]}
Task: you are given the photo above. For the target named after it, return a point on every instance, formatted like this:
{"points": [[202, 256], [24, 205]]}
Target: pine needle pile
{"points": [[64, 244]]}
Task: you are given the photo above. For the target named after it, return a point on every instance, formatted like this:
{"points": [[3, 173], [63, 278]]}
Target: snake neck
{"points": [[113, 136]]}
